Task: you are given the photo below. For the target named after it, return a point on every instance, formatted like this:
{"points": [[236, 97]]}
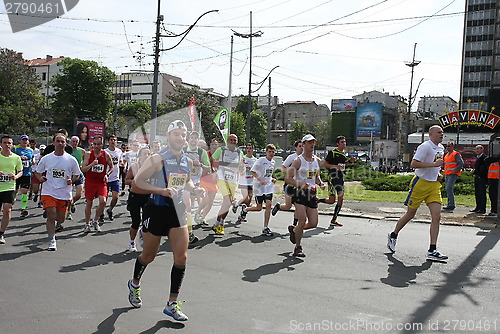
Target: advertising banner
{"points": [[385, 149], [368, 121], [345, 105], [87, 130]]}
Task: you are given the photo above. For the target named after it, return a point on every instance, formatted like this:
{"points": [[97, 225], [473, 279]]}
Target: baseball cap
{"points": [[308, 137], [43, 147], [24, 137], [176, 125]]}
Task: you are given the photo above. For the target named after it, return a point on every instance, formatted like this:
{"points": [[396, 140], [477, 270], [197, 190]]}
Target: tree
{"points": [[134, 114], [322, 132], [299, 130], [20, 101], [82, 92], [238, 126], [205, 103], [258, 122]]}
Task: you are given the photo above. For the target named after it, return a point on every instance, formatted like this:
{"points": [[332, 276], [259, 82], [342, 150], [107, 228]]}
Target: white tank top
{"points": [[308, 170]]}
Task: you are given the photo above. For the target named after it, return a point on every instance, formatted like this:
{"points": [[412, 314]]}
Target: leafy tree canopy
{"points": [[299, 130]]}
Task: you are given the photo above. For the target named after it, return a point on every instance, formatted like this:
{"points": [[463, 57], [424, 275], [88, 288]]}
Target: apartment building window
{"points": [[44, 76]]}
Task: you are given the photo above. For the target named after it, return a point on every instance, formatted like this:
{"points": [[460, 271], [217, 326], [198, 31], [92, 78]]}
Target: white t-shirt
{"points": [[116, 157], [246, 178], [289, 160], [59, 168], [130, 157], [428, 152], [264, 169]]}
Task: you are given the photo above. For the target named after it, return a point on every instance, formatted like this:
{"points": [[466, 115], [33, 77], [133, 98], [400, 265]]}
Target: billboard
{"points": [[368, 121], [346, 105], [385, 149], [87, 130]]}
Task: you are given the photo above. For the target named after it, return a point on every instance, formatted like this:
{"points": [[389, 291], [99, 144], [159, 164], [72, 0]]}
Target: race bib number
{"points": [[269, 172], [177, 180], [195, 171], [58, 173], [133, 160], [26, 163], [99, 168], [115, 160], [439, 155], [311, 174], [5, 178], [229, 175]]}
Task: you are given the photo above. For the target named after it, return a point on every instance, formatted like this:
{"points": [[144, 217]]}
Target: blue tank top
{"points": [[174, 174], [28, 153]]}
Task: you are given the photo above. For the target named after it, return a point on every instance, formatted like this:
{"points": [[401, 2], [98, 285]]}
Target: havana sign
{"points": [[469, 117]]}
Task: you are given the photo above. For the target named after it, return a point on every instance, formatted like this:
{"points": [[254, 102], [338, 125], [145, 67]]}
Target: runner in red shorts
{"points": [[97, 165]]}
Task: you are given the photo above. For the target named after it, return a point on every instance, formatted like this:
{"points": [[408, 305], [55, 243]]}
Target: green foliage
{"points": [[238, 126], [279, 175], [20, 101], [242, 106], [388, 182], [256, 128], [299, 130], [82, 92], [134, 114], [322, 132], [205, 103]]}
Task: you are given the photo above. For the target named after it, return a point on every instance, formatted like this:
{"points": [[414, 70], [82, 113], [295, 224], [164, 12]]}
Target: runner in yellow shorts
{"points": [[422, 190]]}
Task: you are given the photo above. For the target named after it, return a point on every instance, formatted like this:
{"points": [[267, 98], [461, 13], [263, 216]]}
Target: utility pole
{"points": [[249, 109], [269, 114], [410, 102], [230, 93], [156, 72]]}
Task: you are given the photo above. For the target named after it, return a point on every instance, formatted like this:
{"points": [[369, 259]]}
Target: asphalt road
{"points": [[243, 282]]}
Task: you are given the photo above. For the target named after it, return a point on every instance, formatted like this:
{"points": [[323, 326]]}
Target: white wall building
{"points": [[46, 68]]}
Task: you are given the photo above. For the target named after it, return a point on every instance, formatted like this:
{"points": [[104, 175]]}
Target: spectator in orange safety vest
{"points": [[493, 176], [453, 164]]}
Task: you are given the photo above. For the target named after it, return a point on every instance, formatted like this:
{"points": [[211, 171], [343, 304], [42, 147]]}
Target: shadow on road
{"points": [[163, 324], [254, 275], [100, 259], [401, 276], [458, 281], [108, 325]]}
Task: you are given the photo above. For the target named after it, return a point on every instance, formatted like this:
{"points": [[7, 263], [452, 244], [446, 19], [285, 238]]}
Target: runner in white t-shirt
{"points": [[61, 171], [114, 178], [263, 187], [245, 181]]}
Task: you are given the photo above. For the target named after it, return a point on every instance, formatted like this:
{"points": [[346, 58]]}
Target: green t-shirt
{"points": [[78, 154], [9, 165]]}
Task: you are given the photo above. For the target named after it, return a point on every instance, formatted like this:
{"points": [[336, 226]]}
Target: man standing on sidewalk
{"points": [[480, 180], [453, 164], [425, 186]]}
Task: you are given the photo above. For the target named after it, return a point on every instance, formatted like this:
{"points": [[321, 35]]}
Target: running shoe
{"points": [[391, 243], [122, 193], [35, 198], [24, 213], [235, 206], [203, 222], [267, 232], [59, 227], [173, 309], [101, 218], [87, 228], [134, 295], [243, 213], [292, 233], [131, 246], [2, 239], [96, 226], [39, 204], [192, 238], [276, 208], [52, 245], [218, 229], [73, 208], [436, 256], [298, 252], [30, 196], [69, 216], [335, 222], [197, 218], [110, 214]]}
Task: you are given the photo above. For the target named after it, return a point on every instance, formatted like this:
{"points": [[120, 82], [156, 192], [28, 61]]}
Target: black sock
{"points": [[139, 269], [1, 233], [432, 248], [394, 235], [321, 200], [295, 221], [176, 277]]}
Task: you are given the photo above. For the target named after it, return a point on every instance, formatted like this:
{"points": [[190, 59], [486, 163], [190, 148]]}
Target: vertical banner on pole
{"points": [[222, 122], [192, 112]]}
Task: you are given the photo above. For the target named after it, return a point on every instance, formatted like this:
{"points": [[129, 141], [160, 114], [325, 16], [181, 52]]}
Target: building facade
{"points": [[46, 68], [481, 54]]}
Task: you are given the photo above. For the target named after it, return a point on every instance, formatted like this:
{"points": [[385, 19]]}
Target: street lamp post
{"points": [[412, 65]]}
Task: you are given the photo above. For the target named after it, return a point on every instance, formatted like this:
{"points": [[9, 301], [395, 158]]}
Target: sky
{"points": [[325, 49]]}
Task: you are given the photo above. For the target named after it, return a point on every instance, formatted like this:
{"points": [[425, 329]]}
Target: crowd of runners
{"points": [[172, 188]]}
